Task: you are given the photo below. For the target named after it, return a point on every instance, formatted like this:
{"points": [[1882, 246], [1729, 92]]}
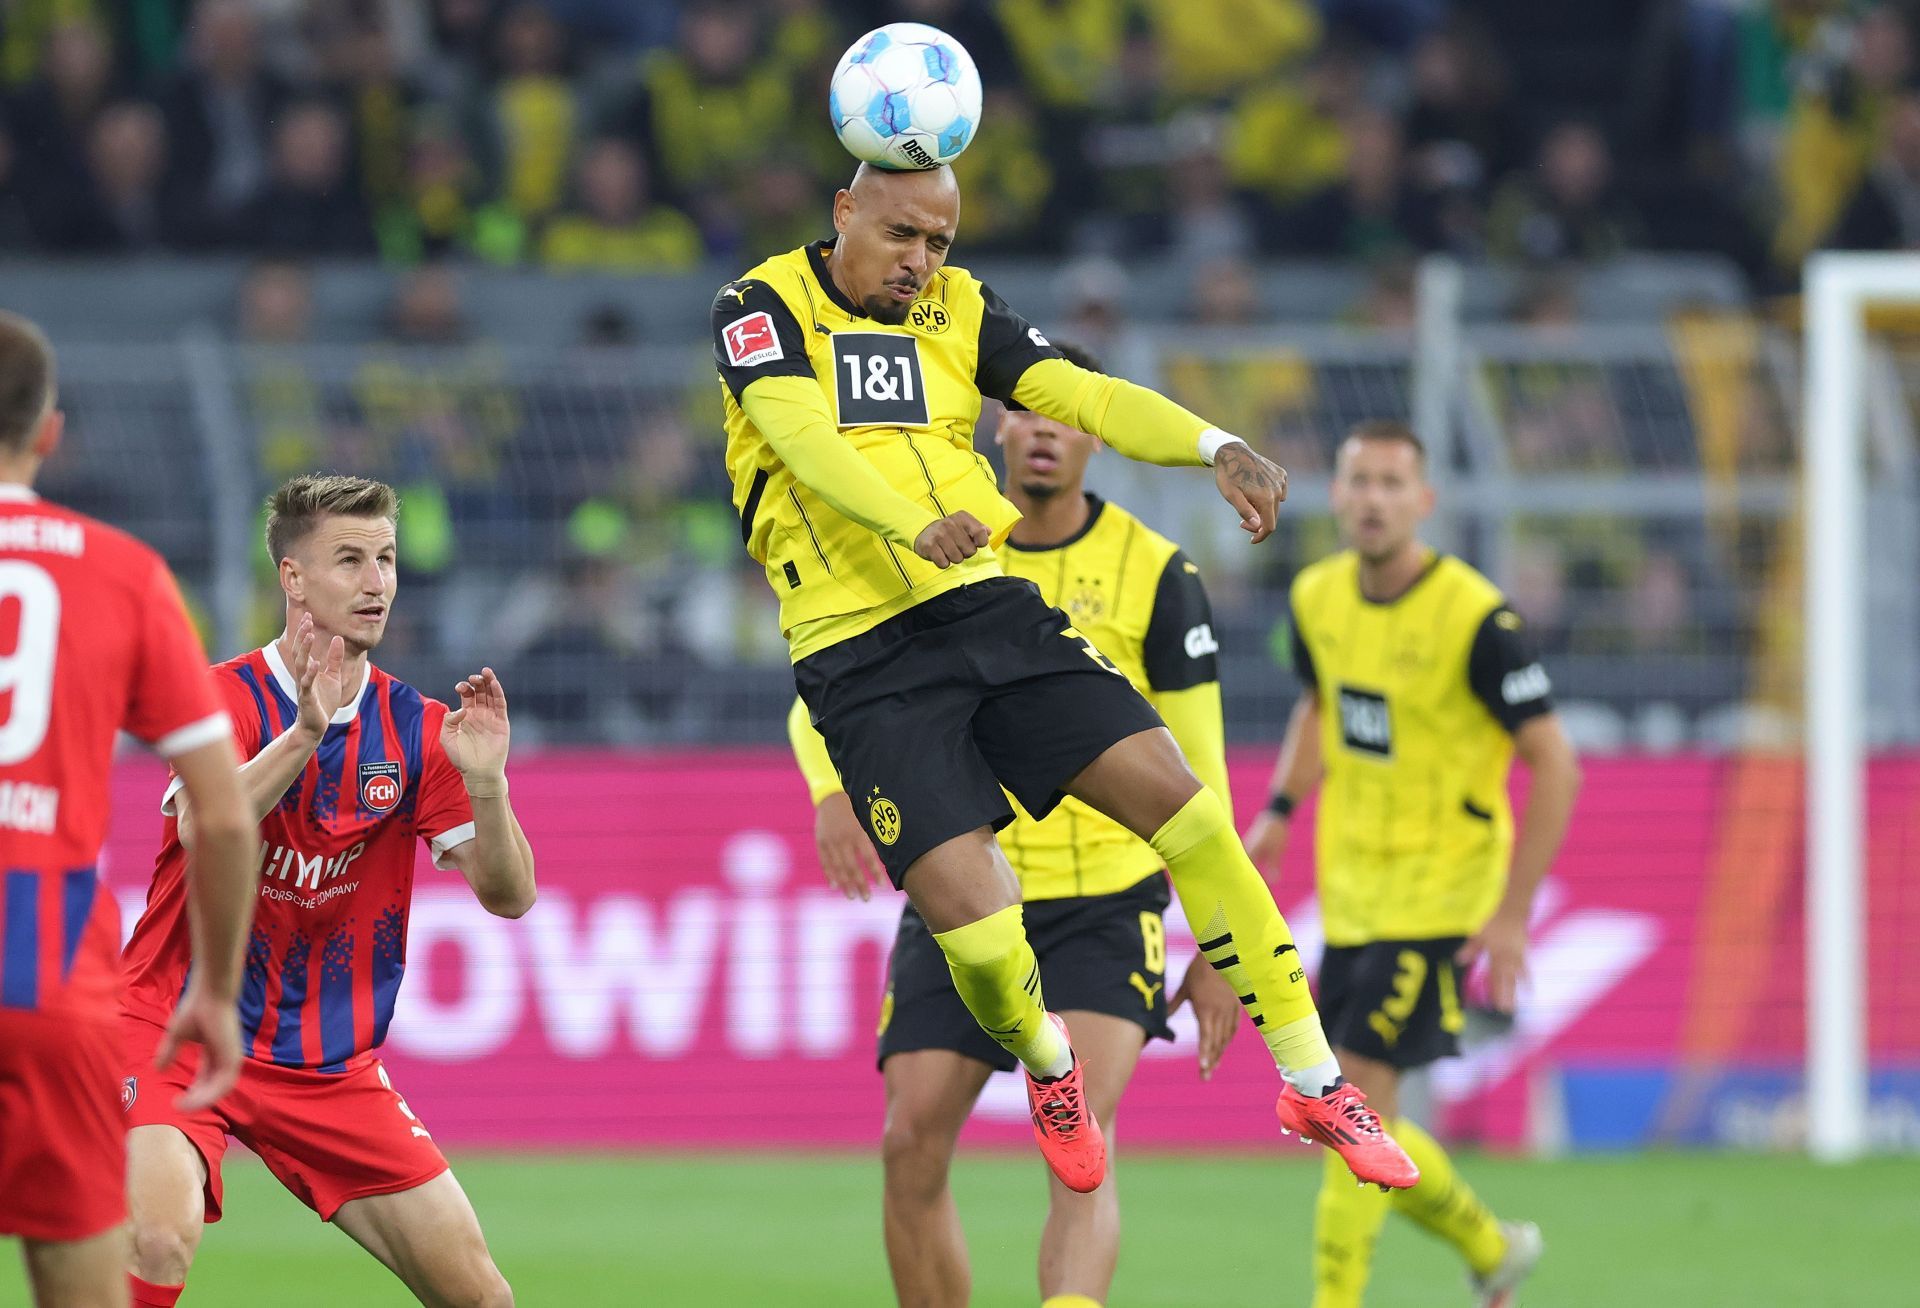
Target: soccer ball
{"points": [[905, 96]]}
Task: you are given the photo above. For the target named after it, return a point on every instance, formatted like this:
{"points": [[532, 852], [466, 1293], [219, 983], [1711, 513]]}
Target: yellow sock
{"points": [[999, 981], [1240, 931], [1346, 1222], [1446, 1205], [1069, 1301]]}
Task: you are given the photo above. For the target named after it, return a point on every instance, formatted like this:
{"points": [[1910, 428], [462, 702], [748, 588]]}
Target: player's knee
{"points": [[163, 1251], [487, 1288], [916, 1158]]}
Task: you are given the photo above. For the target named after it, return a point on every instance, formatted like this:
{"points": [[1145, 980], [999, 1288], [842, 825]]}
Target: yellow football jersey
{"points": [[906, 398], [1131, 592], [1418, 699]]}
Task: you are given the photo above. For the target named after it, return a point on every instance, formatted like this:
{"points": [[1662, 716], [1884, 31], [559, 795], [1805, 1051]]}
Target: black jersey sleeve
{"points": [[1009, 345], [755, 335], [1180, 650], [1505, 671], [1299, 658]]}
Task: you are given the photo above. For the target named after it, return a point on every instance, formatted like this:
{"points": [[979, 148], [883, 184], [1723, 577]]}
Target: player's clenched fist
{"points": [[1253, 484], [953, 538]]}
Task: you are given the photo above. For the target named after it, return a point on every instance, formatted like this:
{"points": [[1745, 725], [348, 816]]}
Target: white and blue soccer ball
{"points": [[905, 96]]}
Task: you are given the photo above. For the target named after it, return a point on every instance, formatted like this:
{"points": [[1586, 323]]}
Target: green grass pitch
{"points": [[796, 1232]]}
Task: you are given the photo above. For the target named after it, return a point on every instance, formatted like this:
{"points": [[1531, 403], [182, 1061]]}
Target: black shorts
{"points": [[1098, 954], [1397, 1001], [930, 713]]}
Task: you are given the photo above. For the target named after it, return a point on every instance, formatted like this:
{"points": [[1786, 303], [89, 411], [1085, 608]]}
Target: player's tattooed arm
{"points": [[1253, 484]]}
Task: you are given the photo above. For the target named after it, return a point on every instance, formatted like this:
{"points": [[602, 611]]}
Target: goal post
{"points": [[1838, 289]]}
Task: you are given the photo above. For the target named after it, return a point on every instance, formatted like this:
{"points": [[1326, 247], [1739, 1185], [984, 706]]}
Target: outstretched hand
{"points": [[1215, 1006], [319, 676], [476, 735], [1253, 484], [846, 852], [1503, 942]]}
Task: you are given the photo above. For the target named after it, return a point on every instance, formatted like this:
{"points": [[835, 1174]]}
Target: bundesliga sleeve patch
{"points": [[752, 340]]}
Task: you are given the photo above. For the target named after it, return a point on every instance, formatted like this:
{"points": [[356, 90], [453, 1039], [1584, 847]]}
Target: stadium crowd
{"points": [[583, 511], [587, 134]]}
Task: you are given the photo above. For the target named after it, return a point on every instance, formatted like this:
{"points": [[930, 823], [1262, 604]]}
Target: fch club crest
{"points": [[380, 785]]}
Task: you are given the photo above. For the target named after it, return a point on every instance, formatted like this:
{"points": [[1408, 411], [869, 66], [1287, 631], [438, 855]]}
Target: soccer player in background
{"points": [[345, 769], [97, 642], [1418, 688], [852, 373], [1093, 892]]}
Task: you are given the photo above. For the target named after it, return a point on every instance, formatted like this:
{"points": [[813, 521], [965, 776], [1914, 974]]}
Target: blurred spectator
{"points": [[1092, 294], [53, 118], [284, 401], [1391, 300], [218, 111], [446, 210], [1461, 131], [427, 308], [127, 209], [532, 112], [1225, 292], [1373, 212], [1566, 207], [1284, 141], [1068, 51], [1884, 213], [1205, 220], [358, 53], [1211, 49], [1833, 125], [608, 326], [276, 302], [1547, 300], [615, 225], [1005, 178], [1659, 605], [310, 205], [778, 204], [709, 110]]}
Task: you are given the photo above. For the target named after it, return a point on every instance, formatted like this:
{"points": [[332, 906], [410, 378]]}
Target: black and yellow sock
{"points": [[1240, 931], [999, 981], [1446, 1205], [1346, 1224]]}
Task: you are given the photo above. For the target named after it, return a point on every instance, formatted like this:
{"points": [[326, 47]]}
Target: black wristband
{"points": [[1281, 805]]}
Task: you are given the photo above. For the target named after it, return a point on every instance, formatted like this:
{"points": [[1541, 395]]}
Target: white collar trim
{"points": [[14, 492], [284, 679]]}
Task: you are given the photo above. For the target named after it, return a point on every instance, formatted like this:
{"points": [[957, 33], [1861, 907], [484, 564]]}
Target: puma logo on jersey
{"points": [[1147, 992]]}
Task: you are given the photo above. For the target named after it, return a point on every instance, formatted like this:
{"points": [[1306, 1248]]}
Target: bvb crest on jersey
{"points": [[929, 317], [883, 815]]}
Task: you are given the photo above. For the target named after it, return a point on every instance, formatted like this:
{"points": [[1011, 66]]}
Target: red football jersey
{"points": [[93, 639], [329, 938]]}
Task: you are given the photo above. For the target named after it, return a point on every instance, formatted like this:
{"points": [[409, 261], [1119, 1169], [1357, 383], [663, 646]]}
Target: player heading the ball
{"points": [[852, 373]]}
